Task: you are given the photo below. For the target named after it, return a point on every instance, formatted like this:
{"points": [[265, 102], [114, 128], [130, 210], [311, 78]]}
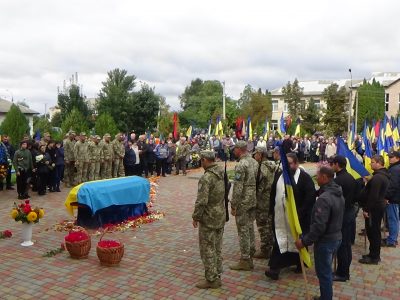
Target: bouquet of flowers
{"points": [[26, 214], [5, 234]]}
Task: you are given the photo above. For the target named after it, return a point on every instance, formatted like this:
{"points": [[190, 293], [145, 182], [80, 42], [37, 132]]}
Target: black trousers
{"points": [[22, 183], [373, 226], [280, 260], [8, 178], [161, 166], [344, 256], [129, 170], [42, 180]]}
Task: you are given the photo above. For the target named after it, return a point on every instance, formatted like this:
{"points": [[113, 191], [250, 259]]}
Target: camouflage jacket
{"points": [[209, 209], [69, 150], [265, 177], [118, 149], [81, 151], [95, 151], [244, 187], [107, 150], [183, 151]]}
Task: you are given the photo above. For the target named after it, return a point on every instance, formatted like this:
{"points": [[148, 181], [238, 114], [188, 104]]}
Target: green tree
{"points": [[310, 118], [258, 106], [41, 124], [245, 96], [15, 125], [371, 102], [75, 121], [292, 94], [105, 124], [56, 120], [144, 106], [115, 97], [335, 117], [73, 99]]}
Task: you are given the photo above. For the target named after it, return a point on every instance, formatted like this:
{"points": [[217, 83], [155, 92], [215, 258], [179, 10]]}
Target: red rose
{"points": [[27, 209], [27, 201], [7, 233]]}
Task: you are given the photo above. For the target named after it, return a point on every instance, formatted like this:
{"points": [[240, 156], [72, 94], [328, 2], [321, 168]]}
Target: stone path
{"points": [[161, 260]]}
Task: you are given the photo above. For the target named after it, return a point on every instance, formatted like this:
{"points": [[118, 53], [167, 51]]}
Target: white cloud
{"points": [[169, 43]]}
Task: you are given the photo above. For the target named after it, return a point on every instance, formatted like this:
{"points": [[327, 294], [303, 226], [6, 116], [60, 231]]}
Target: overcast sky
{"points": [[169, 43]]}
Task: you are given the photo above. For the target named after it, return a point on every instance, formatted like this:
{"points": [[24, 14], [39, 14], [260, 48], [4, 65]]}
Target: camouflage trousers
{"points": [[81, 171], [264, 226], [210, 243], [118, 168], [94, 170], [245, 227], [69, 174], [106, 169]]}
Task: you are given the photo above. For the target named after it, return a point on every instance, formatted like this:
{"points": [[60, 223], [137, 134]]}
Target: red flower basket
{"points": [[109, 252], [78, 243]]}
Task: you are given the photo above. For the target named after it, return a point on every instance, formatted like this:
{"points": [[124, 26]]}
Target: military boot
{"points": [[260, 254], [243, 265], [205, 284]]}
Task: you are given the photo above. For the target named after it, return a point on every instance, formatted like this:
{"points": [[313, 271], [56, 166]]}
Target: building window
{"points": [[274, 125], [285, 106], [317, 104], [386, 102], [274, 105]]}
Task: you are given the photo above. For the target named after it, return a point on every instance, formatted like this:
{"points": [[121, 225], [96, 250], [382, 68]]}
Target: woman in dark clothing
{"points": [[129, 160], [59, 165], [34, 178], [52, 177], [42, 165], [150, 156], [161, 152]]}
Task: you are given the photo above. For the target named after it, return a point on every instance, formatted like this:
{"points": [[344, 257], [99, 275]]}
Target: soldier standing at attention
{"points": [[243, 204], [81, 158], [107, 156], [209, 216], [119, 153], [69, 160], [95, 157], [265, 177]]}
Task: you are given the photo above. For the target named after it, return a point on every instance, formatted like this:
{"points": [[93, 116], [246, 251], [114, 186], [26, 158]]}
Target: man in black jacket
{"points": [[393, 200], [373, 208], [348, 185], [325, 230]]}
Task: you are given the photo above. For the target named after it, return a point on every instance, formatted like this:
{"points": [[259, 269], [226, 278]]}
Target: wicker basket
{"points": [[79, 249], [110, 256]]}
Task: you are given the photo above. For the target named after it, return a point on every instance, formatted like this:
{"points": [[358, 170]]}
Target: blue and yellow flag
{"points": [[353, 167], [220, 128], [351, 136], [291, 210], [367, 148], [266, 129], [209, 128], [297, 132], [189, 132], [217, 127], [282, 126], [249, 129]]}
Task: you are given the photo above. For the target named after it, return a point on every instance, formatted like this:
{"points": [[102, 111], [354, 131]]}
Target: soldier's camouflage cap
{"points": [[98, 137], [107, 135], [259, 149], [207, 154], [241, 144]]}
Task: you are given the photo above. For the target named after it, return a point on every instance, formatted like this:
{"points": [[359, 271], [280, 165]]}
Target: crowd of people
{"points": [[327, 216]]}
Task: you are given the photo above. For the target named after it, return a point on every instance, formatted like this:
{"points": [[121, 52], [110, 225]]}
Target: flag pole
{"points": [[303, 271]]}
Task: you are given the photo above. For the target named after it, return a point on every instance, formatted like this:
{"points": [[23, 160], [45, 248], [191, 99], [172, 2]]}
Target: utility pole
{"points": [[350, 101], [223, 101]]}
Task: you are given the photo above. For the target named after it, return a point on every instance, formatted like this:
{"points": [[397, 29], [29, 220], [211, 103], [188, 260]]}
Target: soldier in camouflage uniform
{"points": [[209, 216], [69, 160], [118, 153], [265, 177], [95, 152], [81, 158], [182, 152], [107, 157], [243, 205]]}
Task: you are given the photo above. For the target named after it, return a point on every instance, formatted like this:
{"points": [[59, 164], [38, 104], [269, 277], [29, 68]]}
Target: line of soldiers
{"points": [[88, 159], [250, 202]]}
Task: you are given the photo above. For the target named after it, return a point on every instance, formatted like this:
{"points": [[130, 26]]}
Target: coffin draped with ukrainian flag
{"points": [[109, 201]]}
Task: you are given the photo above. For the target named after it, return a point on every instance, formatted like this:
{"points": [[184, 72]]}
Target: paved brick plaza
{"points": [[161, 260]]}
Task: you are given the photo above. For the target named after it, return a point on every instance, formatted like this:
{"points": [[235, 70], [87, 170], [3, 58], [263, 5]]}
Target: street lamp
{"points": [[350, 102], [223, 101]]}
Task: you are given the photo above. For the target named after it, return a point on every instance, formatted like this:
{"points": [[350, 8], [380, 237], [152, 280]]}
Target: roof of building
{"points": [[6, 105], [384, 78], [316, 87]]}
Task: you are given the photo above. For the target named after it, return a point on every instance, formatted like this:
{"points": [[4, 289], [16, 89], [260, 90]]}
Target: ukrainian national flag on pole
{"points": [[220, 127], [291, 210], [350, 137], [266, 129], [368, 149], [249, 129], [209, 128], [189, 132], [297, 132], [216, 126], [353, 167], [282, 124]]}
